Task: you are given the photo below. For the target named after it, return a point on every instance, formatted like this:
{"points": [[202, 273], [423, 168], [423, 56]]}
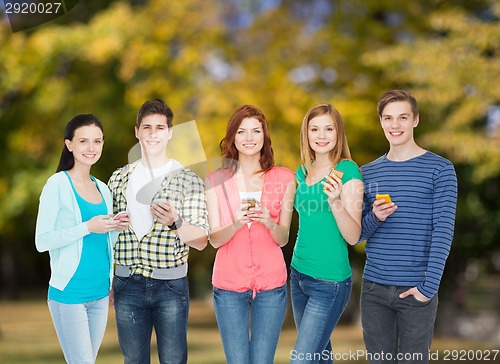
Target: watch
{"points": [[176, 225]]}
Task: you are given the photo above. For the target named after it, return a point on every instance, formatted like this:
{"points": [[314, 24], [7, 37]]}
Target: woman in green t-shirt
{"points": [[329, 202]]}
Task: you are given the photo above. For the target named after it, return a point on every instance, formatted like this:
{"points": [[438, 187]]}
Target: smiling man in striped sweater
{"points": [[408, 237]]}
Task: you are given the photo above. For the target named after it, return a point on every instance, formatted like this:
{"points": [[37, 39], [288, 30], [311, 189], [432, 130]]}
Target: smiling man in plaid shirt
{"points": [[167, 208]]}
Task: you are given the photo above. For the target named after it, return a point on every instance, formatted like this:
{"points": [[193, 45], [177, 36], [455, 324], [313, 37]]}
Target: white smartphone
{"points": [[120, 215]]}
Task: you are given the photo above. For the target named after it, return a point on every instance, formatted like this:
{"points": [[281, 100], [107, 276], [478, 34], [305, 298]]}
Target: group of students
{"points": [[138, 260]]}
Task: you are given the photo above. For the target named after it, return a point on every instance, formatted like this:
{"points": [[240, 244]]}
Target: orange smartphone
{"points": [[383, 196]]}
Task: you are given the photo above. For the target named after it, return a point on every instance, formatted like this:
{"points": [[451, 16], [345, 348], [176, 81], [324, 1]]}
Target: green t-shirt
{"points": [[320, 250]]}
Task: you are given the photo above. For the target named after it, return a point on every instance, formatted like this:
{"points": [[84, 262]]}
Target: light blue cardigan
{"points": [[60, 230]]}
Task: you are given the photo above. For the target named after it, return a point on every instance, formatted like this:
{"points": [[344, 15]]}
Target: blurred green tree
{"points": [[453, 74], [206, 57]]}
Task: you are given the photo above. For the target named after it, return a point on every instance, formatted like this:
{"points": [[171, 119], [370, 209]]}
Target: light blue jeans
{"points": [[317, 306], [80, 328], [250, 328]]}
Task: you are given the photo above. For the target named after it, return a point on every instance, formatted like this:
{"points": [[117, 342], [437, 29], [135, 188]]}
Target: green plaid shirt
{"points": [[160, 248]]}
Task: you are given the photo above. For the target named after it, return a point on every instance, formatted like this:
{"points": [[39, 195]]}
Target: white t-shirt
{"points": [[143, 184]]}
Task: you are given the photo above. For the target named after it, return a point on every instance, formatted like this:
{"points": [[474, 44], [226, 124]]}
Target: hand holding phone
{"points": [[383, 207], [334, 173]]}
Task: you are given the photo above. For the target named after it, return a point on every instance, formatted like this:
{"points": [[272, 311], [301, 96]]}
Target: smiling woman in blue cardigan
{"points": [[74, 225]]}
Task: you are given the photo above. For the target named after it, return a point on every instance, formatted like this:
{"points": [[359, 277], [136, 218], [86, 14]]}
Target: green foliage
{"points": [[452, 75], [206, 57]]}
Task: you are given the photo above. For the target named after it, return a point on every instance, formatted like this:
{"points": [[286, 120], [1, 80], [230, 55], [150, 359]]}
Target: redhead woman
{"points": [[250, 205]]}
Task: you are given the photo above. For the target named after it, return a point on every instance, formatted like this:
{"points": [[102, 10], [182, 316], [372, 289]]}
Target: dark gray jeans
{"points": [[396, 330]]}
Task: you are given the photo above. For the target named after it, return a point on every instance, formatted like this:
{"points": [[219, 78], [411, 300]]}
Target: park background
{"points": [[207, 57]]}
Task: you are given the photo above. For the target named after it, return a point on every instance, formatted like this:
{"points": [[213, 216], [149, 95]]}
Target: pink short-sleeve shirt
{"points": [[251, 260]]}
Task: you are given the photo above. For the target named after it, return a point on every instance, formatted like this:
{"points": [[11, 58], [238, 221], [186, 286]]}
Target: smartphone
{"points": [[120, 215], [249, 201], [336, 172], [383, 196]]}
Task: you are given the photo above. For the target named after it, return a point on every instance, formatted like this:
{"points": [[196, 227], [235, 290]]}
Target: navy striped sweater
{"points": [[411, 246]]}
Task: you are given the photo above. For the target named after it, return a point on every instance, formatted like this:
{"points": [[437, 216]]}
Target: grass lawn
{"points": [[28, 337]]}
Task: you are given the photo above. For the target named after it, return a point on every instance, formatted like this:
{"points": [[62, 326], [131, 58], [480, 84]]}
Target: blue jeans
{"points": [[250, 328], [142, 304], [401, 328], [317, 306], [80, 328]]}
